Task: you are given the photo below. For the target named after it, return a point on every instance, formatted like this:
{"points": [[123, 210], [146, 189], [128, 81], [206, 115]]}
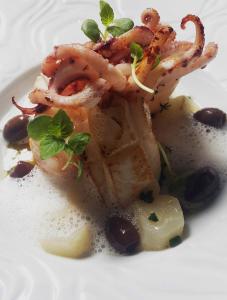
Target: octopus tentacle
{"points": [[198, 46], [177, 60], [75, 62], [164, 35], [38, 109], [150, 17], [118, 49], [167, 84], [90, 96], [91, 64], [176, 48], [194, 51]]}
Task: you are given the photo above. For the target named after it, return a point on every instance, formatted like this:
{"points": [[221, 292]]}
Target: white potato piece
{"points": [[178, 108], [156, 235], [75, 246]]}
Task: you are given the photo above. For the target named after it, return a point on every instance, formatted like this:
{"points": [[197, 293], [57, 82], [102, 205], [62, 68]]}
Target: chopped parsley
{"points": [[175, 241], [153, 217]]}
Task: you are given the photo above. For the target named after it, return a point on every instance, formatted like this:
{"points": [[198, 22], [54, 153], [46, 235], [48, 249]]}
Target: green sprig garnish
{"points": [[120, 26], [106, 13], [55, 134], [91, 29], [115, 27], [137, 55]]}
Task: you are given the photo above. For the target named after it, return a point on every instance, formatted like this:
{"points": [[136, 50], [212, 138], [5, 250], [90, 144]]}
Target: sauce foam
{"points": [[35, 207]]}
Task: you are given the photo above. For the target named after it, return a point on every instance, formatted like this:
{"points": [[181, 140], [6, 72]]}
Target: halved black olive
{"points": [[22, 169], [122, 235], [201, 189], [15, 129], [211, 116]]}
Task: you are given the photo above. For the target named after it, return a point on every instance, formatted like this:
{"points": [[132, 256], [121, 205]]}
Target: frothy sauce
{"points": [[36, 207]]}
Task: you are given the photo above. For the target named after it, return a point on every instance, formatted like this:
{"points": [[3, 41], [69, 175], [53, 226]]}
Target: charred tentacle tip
{"points": [[200, 36], [195, 19], [150, 17], [38, 109]]}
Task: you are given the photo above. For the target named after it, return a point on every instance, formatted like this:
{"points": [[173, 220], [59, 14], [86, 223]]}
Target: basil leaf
{"points": [[78, 142], [124, 23], [91, 30], [37, 128], [136, 51], [51, 146], [61, 125], [106, 13], [115, 31]]}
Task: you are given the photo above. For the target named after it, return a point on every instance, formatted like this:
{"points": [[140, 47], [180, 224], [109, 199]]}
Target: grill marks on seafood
{"points": [[78, 62], [179, 59], [118, 49]]}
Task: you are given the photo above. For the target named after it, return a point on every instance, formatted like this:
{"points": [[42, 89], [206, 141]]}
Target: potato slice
{"points": [[156, 234], [176, 110], [75, 246], [166, 125]]}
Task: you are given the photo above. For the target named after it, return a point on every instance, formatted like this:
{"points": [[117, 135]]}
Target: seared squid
{"points": [[93, 83]]}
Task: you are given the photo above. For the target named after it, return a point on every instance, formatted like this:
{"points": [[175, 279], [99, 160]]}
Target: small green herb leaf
{"points": [[78, 142], [51, 146], [106, 13], [61, 125], [153, 217], [91, 30], [175, 241], [124, 23], [136, 52], [115, 31], [37, 128], [120, 26]]}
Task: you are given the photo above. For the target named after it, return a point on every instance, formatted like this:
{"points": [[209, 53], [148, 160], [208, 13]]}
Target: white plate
{"points": [[197, 269]]}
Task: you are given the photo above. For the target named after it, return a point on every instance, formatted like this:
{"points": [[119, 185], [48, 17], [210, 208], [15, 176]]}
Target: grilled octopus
{"points": [[93, 83]]}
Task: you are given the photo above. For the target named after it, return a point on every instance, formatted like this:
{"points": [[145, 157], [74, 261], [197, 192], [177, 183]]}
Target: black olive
{"points": [[211, 116], [122, 235], [22, 169], [201, 189], [15, 129]]}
